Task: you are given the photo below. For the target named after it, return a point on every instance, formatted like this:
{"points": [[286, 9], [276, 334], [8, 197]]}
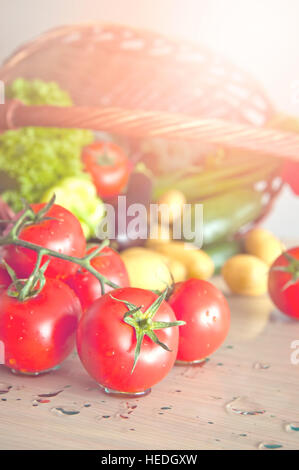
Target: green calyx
{"points": [[291, 268], [29, 217], [144, 324], [24, 289], [105, 159]]}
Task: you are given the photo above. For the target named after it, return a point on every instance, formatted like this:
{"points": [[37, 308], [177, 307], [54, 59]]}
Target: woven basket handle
{"points": [[138, 123]]}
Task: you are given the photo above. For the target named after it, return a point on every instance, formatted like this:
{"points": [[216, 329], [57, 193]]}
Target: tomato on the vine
{"points": [[108, 166], [123, 339], [283, 282], [58, 230], [39, 333], [206, 313], [87, 286]]}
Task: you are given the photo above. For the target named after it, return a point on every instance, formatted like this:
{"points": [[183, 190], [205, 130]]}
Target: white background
{"points": [[261, 36]]}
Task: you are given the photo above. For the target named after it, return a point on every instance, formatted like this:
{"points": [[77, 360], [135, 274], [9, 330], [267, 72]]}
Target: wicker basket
{"points": [[140, 72]]}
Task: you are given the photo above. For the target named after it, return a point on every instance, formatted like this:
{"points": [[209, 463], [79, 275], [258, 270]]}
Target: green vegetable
{"points": [[222, 251], [37, 92], [32, 160], [79, 196], [235, 174], [224, 215]]}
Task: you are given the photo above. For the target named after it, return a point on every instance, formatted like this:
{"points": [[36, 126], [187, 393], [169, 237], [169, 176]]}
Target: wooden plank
{"points": [[188, 410]]}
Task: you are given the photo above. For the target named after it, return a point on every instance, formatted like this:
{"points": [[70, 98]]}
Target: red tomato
{"points": [[5, 279], [108, 166], [87, 286], [106, 344], [206, 313], [283, 282], [62, 233], [39, 333]]}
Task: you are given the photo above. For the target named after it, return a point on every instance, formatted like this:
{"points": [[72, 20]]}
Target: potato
{"points": [[198, 263], [146, 269], [163, 236], [177, 269], [263, 244], [246, 275]]}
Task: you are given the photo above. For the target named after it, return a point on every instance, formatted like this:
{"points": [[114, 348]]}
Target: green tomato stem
{"points": [[143, 323], [13, 239], [32, 278]]}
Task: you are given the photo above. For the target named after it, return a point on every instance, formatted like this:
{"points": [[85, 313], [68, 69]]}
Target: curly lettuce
{"points": [[33, 159]]}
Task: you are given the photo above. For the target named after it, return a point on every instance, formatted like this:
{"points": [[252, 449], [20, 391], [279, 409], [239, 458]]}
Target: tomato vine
{"points": [[28, 217]]}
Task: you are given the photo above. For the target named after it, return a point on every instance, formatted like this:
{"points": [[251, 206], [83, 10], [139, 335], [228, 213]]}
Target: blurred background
{"points": [[260, 36]]}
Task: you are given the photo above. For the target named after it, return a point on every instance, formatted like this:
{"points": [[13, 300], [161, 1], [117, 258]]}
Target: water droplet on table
{"points": [[245, 407], [261, 365], [292, 427], [64, 410], [270, 445], [101, 417], [4, 388], [50, 394]]}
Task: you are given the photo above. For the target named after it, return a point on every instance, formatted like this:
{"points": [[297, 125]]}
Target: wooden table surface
{"points": [[245, 396]]}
